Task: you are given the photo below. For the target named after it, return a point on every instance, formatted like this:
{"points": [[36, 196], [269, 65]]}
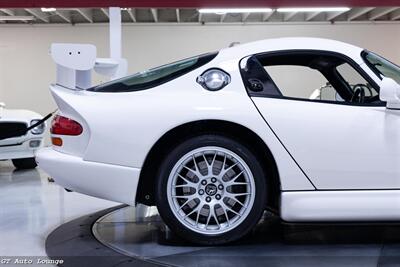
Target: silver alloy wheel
{"points": [[211, 190]]}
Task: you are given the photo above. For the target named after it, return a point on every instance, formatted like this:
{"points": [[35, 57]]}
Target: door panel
{"points": [[338, 146]]}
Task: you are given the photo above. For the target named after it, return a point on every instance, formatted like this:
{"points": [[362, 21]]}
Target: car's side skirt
{"points": [[341, 206]]}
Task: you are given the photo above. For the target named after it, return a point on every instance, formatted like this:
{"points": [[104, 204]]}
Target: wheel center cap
{"points": [[211, 189]]}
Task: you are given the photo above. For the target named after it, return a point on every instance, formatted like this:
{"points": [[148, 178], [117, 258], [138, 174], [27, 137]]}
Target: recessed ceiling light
{"points": [[313, 9], [234, 10], [48, 9], [16, 18]]}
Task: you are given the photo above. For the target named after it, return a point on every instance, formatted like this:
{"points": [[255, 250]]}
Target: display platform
{"points": [[128, 236]]}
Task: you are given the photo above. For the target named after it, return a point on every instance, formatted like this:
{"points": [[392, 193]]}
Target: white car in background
{"points": [[16, 143], [214, 140]]}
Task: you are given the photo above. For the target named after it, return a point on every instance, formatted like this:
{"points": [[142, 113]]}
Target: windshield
{"points": [[154, 77], [382, 67]]}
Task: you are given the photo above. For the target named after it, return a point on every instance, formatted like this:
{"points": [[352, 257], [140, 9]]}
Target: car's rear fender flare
{"points": [[212, 126]]}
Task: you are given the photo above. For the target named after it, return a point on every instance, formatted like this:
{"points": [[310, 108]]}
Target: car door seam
{"points": [[280, 141]]}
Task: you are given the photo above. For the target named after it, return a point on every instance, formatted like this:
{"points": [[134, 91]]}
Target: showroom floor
{"points": [[31, 208]]}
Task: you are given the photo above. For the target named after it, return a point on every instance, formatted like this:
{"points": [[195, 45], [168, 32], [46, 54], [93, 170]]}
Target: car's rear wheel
{"points": [[26, 163], [211, 190]]}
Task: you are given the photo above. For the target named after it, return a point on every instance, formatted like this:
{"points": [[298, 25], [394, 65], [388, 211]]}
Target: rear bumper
{"points": [[19, 150], [111, 182]]}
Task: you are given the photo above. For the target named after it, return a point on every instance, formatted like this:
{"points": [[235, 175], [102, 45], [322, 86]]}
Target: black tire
{"points": [[24, 164], [259, 180]]}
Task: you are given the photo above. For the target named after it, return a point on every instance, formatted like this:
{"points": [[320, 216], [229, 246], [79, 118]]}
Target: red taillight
{"points": [[65, 126]]}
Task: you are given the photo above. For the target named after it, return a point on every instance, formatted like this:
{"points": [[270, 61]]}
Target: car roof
{"points": [[293, 43]]}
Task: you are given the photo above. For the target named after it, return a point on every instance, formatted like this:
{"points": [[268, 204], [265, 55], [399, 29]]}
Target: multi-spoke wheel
{"points": [[211, 189]]}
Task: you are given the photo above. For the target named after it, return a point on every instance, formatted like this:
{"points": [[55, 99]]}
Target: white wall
{"points": [[26, 68]]}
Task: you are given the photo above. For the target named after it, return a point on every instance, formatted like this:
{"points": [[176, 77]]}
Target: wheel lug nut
{"points": [[213, 180], [208, 199], [221, 187], [218, 196], [201, 192], [204, 182]]}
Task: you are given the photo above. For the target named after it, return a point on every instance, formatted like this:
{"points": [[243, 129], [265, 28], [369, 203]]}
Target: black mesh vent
{"points": [[12, 129]]}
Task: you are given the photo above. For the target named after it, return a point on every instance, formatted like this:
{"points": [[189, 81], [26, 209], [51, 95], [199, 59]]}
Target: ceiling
{"points": [[194, 3], [191, 15]]}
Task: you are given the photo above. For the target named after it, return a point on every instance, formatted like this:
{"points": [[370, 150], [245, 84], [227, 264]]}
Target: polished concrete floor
{"points": [[31, 207], [140, 233]]}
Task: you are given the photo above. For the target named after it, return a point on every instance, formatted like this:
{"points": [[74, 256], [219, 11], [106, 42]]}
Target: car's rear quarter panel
{"points": [[121, 128]]}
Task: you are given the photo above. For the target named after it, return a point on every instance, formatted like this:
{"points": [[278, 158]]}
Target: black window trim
{"points": [[364, 54], [347, 59], [380, 75]]}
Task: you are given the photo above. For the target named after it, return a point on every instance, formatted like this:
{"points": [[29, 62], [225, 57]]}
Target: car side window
{"points": [[310, 81], [313, 76], [355, 80]]}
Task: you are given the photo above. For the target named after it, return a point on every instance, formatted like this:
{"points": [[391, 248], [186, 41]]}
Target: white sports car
{"points": [[17, 142], [214, 140]]}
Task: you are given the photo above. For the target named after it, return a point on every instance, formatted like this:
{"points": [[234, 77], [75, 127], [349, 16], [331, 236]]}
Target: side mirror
{"points": [[390, 93]]}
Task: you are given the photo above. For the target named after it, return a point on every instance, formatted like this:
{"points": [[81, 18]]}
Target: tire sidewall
{"points": [[202, 141]]}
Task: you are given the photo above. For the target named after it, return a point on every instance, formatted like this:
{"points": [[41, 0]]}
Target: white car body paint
{"points": [[334, 135], [18, 147], [87, 173], [341, 206], [121, 128]]}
